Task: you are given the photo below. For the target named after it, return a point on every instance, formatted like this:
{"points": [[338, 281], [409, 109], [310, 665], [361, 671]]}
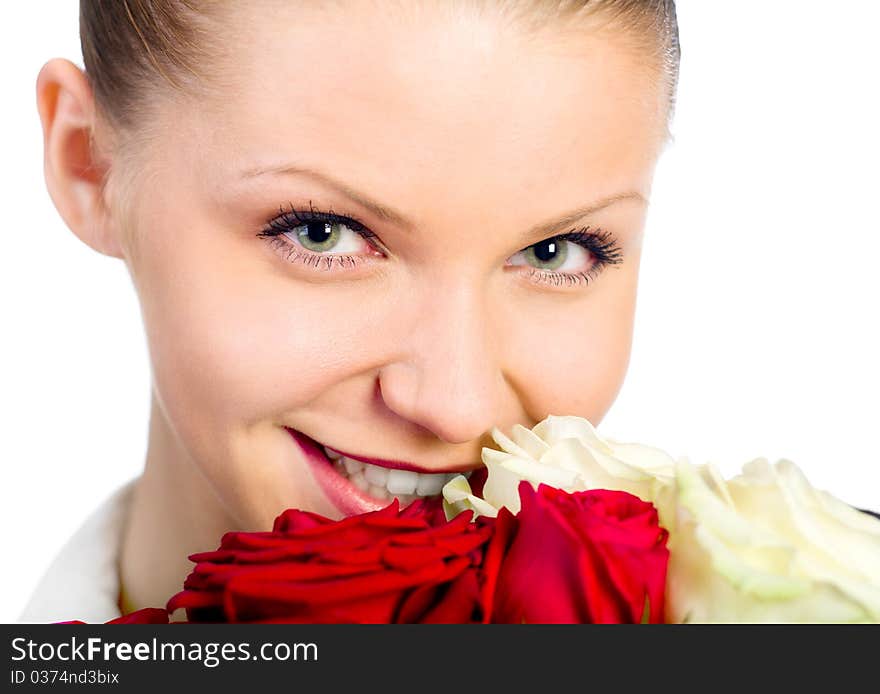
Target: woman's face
{"points": [[436, 303]]}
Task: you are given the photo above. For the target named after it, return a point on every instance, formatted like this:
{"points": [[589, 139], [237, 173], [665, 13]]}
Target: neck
{"points": [[174, 513]]}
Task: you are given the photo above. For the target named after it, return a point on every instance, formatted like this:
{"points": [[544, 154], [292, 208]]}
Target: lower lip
{"points": [[347, 498]]}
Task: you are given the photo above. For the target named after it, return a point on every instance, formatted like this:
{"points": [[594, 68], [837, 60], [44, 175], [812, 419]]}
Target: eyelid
{"points": [[313, 215], [287, 220], [600, 243], [277, 234]]}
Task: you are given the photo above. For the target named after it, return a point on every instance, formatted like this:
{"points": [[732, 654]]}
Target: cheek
{"points": [[573, 362], [233, 340], [235, 345]]}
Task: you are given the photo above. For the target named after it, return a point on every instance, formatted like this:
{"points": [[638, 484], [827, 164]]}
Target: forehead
{"points": [[407, 102]]}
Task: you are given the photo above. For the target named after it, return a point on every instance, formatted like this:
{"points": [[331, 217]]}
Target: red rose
{"points": [[146, 615], [379, 567], [588, 557]]}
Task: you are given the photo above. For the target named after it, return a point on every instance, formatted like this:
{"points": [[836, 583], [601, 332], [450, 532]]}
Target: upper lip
{"points": [[397, 464]]}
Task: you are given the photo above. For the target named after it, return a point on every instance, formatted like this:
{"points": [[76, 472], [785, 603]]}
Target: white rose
{"points": [[562, 452], [767, 547], [762, 547]]}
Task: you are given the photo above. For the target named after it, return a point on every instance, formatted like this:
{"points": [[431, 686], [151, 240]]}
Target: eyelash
{"points": [[287, 221], [600, 243]]}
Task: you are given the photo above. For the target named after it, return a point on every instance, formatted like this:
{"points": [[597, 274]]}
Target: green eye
{"points": [[319, 236], [548, 254]]}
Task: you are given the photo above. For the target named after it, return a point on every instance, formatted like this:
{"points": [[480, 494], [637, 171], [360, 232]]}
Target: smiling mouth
{"points": [[384, 483], [358, 484]]}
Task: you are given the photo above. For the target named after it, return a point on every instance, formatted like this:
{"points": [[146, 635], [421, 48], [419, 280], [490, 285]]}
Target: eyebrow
{"points": [[392, 216]]}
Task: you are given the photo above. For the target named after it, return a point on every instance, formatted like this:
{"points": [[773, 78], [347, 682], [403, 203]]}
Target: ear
{"points": [[73, 168]]}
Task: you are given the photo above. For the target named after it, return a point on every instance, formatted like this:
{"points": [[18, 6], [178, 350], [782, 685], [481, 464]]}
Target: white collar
{"points": [[82, 582]]}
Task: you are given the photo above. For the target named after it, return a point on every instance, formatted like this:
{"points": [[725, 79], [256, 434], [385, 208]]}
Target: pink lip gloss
{"points": [[344, 495]]}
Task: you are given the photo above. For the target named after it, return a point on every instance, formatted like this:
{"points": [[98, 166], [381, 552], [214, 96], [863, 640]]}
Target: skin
{"points": [[473, 130]]}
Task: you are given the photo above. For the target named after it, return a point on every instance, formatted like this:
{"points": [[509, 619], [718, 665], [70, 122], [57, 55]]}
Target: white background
{"points": [[757, 320]]}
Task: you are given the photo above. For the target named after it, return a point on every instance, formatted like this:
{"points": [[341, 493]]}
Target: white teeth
{"points": [[378, 492], [402, 481], [352, 466], [385, 484], [376, 475], [429, 485], [333, 455], [360, 482]]}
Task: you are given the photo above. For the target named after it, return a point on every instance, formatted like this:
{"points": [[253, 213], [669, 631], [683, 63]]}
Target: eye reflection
{"points": [[548, 254], [554, 254], [309, 237], [321, 236]]}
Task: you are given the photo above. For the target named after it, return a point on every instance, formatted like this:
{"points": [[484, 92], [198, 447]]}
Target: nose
{"points": [[448, 378]]}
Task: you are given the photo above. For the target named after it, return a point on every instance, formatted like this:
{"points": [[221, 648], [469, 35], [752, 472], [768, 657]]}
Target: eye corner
{"points": [[350, 247]]}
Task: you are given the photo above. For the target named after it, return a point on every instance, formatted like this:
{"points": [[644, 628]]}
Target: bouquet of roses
{"points": [[764, 546], [563, 526]]}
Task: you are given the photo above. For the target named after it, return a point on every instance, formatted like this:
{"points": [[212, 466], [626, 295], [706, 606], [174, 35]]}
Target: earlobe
{"points": [[74, 169]]}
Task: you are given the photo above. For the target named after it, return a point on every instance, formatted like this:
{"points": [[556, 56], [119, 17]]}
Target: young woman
{"points": [[370, 230]]}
